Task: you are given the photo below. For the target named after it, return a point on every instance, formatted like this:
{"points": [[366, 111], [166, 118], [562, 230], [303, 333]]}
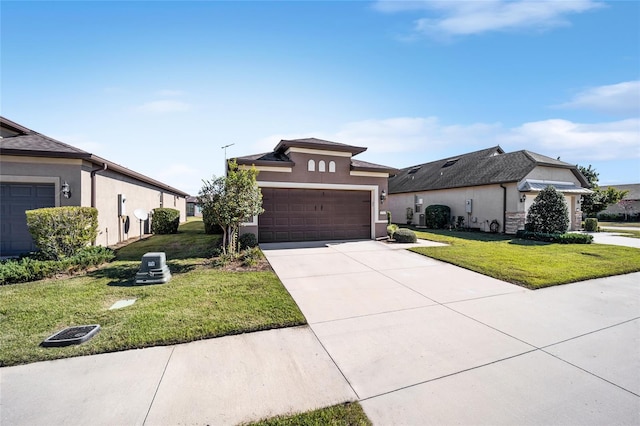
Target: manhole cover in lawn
{"points": [[72, 335]]}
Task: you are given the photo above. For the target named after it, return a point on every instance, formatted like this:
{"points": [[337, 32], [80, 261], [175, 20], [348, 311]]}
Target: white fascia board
{"points": [[318, 152], [267, 168], [369, 174]]}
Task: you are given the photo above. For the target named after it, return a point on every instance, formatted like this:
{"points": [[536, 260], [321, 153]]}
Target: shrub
{"points": [[405, 236], [210, 225], [391, 229], [548, 213], [62, 231], [165, 221], [388, 217], [251, 256], [570, 238], [436, 216], [591, 224], [31, 268], [247, 241]]}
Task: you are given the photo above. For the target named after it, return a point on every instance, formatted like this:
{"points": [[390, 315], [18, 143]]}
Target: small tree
{"points": [[599, 199], [627, 207], [230, 200], [548, 213]]}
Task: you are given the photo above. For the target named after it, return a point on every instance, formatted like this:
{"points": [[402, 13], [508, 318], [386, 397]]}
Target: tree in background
{"points": [[230, 200], [600, 199], [548, 213]]}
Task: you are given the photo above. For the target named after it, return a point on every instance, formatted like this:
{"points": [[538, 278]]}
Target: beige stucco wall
{"points": [[108, 185], [487, 202]]}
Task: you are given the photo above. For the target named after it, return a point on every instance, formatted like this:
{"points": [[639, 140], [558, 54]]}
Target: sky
{"points": [[161, 87]]}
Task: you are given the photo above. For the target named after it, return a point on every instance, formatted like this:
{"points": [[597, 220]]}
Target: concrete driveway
{"points": [[423, 342]]}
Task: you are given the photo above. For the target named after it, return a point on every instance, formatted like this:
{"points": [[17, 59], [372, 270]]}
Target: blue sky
{"points": [[160, 87]]}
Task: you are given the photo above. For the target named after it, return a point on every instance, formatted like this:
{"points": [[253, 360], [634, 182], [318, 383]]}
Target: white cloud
{"points": [[163, 106], [579, 141], [402, 141], [620, 98], [455, 18]]}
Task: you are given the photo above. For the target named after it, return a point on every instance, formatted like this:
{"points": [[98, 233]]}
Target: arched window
{"points": [[311, 166], [332, 166], [321, 166]]}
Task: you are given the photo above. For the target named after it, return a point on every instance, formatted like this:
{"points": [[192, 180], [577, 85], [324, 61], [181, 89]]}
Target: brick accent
{"points": [[577, 220]]}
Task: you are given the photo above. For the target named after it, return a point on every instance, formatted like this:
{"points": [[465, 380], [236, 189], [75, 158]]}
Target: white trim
{"points": [[375, 205], [267, 168], [318, 152], [35, 179], [369, 174]]}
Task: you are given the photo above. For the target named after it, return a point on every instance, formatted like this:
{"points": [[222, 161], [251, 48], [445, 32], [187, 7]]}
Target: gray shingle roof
{"points": [[34, 144], [371, 167], [314, 143], [484, 167], [633, 188]]}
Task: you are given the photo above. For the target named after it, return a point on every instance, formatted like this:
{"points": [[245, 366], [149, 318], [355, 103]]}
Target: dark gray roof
{"points": [[484, 167], [33, 144], [633, 188], [278, 158], [314, 143], [365, 166]]}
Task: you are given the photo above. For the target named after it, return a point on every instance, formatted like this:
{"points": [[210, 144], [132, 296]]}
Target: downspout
{"points": [[93, 188], [504, 208]]}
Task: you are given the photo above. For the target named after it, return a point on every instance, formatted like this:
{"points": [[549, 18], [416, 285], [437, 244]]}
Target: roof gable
{"points": [[484, 167], [319, 144]]}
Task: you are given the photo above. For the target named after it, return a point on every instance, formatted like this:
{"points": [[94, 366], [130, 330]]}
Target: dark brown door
{"points": [[314, 215]]}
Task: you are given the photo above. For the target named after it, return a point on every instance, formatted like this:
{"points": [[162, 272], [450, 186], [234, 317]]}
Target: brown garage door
{"points": [[314, 215]]}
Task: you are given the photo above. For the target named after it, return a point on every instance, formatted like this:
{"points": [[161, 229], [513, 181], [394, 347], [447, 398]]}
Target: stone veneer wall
{"points": [[577, 221], [515, 222]]}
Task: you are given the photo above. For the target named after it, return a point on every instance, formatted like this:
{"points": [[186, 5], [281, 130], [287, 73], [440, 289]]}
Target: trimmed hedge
{"points": [[61, 232], [32, 269], [570, 238], [405, 236], [437, 216], [165, 221], [591, 224]]}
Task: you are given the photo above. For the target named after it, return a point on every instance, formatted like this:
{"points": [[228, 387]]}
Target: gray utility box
{"points": [[154, 269]]}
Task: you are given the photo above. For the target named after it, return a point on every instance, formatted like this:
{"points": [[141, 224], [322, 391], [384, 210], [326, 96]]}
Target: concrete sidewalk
{"points": [[221, 381], [424, 342]]}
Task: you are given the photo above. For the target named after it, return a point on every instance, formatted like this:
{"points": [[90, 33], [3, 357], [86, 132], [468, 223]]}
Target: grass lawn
{"points": [[631, 233], [338, 415], [199, 302], [530, 263], [620, 224]]}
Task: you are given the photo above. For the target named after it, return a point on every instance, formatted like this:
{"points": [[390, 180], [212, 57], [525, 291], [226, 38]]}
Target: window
{"points": [[321, 166], [332, 166], [311, 166], [450, 163]]}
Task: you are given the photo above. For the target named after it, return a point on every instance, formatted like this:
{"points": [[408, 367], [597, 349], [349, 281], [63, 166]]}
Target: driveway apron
{"points": [[424, 342]]}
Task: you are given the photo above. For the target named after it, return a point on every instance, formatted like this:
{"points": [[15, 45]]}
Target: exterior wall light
{"points": [[383, 196], [66, 190], [523, 198]]}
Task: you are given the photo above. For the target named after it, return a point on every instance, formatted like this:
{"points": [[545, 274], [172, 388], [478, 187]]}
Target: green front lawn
{"points": [[199, 302], [529, 263], [350, 414], [631, 233]]}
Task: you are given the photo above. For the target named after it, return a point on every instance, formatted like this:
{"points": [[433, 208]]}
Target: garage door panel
{"points": [[308, 215], [16, 199]]}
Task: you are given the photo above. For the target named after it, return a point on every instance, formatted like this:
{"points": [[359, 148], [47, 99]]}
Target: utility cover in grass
{"points": [[72, 335], [122, 304]]}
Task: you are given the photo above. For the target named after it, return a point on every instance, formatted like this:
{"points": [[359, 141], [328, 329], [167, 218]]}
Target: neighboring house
{"points": [[486, 186], [193, 209], [37, 171], [315, 190], [629, 207]]}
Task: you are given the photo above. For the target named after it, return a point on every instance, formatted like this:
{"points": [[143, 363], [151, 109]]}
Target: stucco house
{"points": [[315, 190], [629, 207], [486, 186], [37, 171]]}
